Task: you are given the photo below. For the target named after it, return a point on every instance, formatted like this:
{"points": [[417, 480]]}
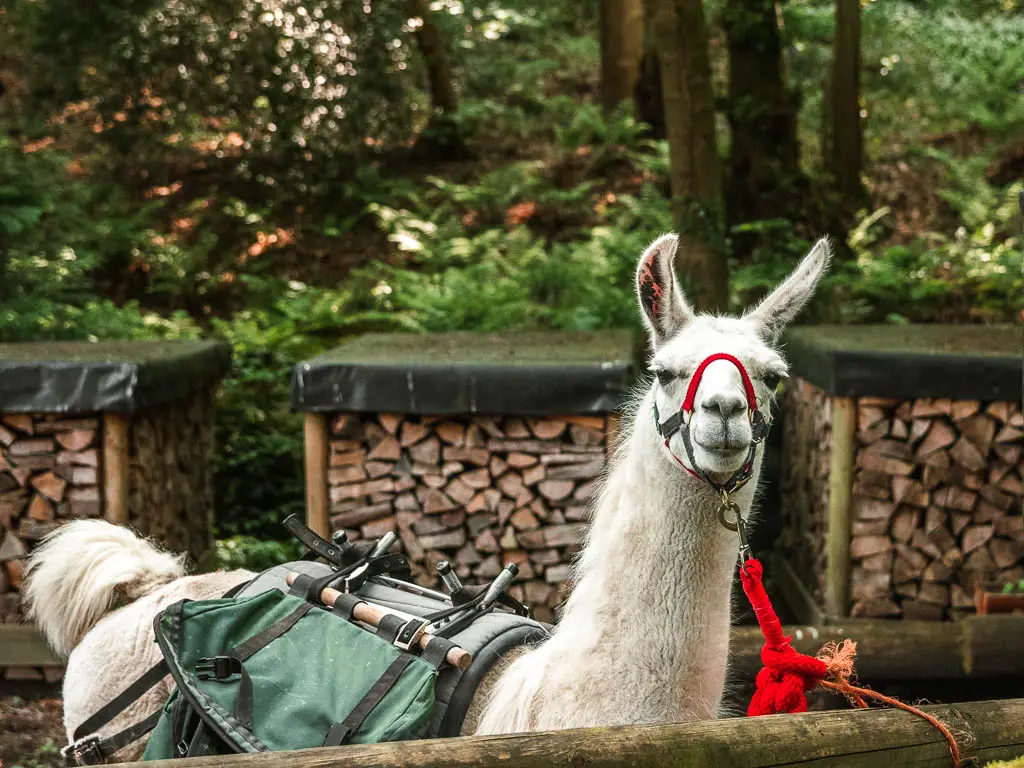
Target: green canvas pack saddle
{"points": [[268, 667]]}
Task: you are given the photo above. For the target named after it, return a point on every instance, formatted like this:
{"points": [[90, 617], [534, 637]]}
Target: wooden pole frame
{"points": [[116, 467], [317, 502], [840, 499]]}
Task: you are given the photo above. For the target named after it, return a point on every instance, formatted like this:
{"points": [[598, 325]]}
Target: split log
{"points": [[22, 422], [546, 429], [30, 447], [50, 485], [76, 439], [941, 435]]}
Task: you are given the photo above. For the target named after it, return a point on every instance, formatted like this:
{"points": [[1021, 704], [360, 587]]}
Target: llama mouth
{"points": [[725, 453], [722, 461]]}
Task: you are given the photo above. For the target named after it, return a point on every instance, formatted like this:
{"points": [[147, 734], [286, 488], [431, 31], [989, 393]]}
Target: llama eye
{"points": [[665, 377], [771, 380]]}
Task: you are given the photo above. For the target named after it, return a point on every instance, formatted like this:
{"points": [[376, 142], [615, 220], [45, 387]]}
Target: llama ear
{"points": [[664, 309], [783, 304]]}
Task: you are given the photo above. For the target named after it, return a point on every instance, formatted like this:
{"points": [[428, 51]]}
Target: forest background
{"points": [[285, 174]]}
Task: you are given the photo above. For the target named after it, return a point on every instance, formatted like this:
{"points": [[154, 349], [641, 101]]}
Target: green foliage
{"points": [[975, 273], [253, 554], [1013, 587], [503, 278], [936, 69], [292, 77], [259, 460], [171, 140]]}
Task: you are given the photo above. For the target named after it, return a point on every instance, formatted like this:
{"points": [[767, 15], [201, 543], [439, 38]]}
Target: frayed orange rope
{"points": [[838, 658]]}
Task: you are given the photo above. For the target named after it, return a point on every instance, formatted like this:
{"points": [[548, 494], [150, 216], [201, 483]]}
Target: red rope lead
{"points": [[787, 675]]}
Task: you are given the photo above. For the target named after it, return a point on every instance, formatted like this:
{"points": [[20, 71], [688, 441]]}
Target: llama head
{"points": [[720, 427]]}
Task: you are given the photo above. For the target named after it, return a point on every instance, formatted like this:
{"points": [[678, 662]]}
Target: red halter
{"points": [[680, 422], [691, 391]]}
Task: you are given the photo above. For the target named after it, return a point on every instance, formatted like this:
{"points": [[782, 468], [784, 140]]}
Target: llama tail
{"points": [[76, 574]]}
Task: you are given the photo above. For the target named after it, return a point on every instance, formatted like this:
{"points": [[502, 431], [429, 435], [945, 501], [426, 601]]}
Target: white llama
{"points": [[644, 636]]}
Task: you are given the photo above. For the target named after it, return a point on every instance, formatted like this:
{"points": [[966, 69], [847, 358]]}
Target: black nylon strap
{"points": [[244, 702], [261, 639], [313, 541], [302, 587], [119, 703], [345, 605], [389, 627], [339, 733], [98, 751], [436, 651], [236, 589], [179, 717], [671, 425], [130, 734]]}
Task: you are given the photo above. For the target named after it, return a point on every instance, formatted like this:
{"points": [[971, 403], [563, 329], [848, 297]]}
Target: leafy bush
{"points": [[252, 554], [928, 68], [511, 278], [292, 77], [976, 274]]}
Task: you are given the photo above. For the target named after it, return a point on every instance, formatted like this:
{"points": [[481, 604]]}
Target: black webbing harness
{"points": [[680, 422]]}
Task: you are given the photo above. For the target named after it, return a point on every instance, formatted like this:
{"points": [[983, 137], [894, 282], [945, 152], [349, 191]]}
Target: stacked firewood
{"points": [[937, 503], [48, 472], [168, 498], [477, 491], [806, 440]]}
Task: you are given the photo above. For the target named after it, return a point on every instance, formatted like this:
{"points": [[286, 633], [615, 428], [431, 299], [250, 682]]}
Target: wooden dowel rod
{"points": [[372, 614]]}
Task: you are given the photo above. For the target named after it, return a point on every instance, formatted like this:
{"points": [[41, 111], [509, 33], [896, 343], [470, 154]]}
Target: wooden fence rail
{"points": [[977, 647], [857, 739]]}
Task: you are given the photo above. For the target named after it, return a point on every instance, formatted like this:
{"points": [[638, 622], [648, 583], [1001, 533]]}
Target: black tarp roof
{"points": [[514, 373], [965, 362], [120, 376]]}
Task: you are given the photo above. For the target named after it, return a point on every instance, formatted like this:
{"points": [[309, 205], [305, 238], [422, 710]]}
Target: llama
{"points": [[644, 636]]}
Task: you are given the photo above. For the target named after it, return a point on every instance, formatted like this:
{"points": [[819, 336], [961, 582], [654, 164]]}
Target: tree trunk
{"points": [[764, 178], [682, 46], [647, 95], [439, 72], [443, 137], [846, 150], [622, 45]]}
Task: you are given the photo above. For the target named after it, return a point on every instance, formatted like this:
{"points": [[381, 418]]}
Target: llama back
{"points": [[78, 573]]}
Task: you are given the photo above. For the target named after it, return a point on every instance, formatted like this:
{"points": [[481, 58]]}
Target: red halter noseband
{"points": [[691, 391], [680, 422]]}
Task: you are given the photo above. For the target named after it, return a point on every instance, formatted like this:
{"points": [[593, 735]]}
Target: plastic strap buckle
{"points": [[409, 633], [218, 667]]}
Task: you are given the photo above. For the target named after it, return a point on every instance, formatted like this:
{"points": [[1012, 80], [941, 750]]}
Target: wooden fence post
{"points": [[116, 429], [840, 497], [317, 503]]}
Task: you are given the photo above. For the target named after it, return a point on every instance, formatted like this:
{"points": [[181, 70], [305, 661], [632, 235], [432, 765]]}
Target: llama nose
{"points": [[726, 403]]}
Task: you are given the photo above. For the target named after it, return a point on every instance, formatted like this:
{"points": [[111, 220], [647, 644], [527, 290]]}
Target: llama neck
{"points": [[654, 584]]}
